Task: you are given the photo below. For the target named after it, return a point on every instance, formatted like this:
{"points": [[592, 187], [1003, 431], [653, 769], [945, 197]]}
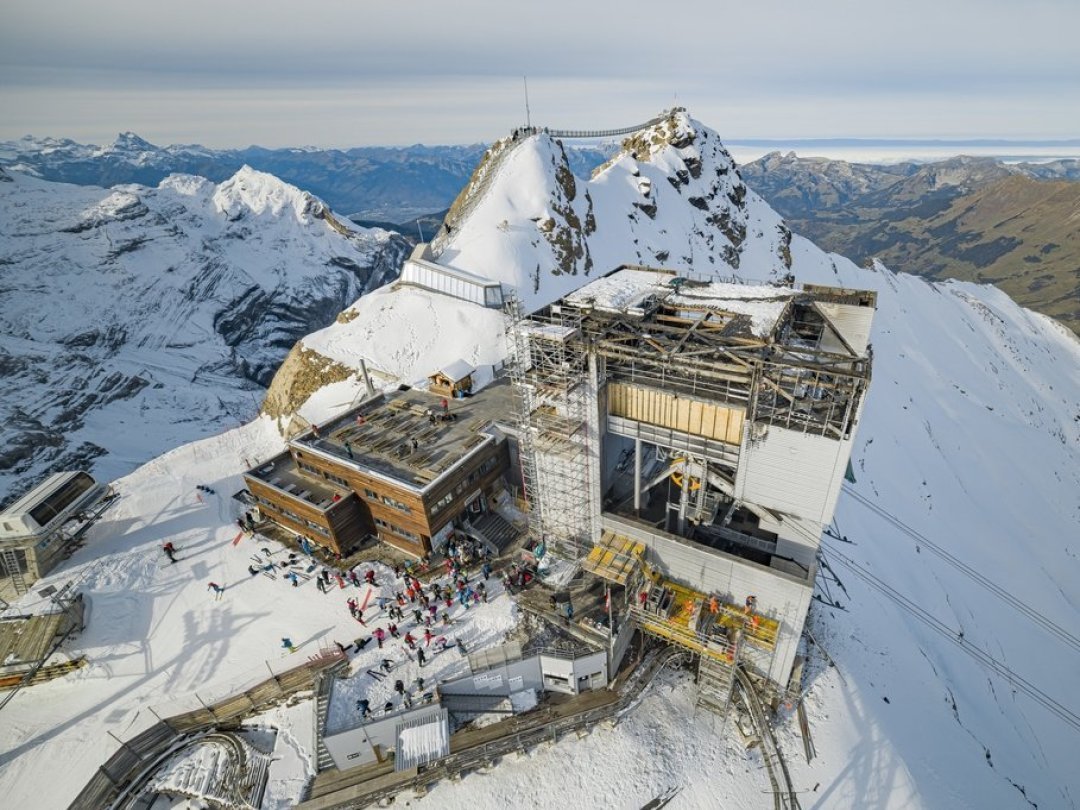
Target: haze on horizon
{"points": [[364, 72]]}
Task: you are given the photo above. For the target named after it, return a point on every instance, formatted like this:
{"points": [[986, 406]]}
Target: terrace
{"points": [[404, 436], [282, 473]]}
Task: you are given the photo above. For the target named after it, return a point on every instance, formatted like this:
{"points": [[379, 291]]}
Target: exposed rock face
{"points": [[303, 373], [135, 318], [671, 198]]}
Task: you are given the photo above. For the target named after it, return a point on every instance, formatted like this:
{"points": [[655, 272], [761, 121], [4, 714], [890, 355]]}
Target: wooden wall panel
{"points": [[678, 413]]}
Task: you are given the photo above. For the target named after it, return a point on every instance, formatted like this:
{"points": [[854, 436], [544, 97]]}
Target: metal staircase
{"points": [[323, 760], [14, 570], [716, 678]]}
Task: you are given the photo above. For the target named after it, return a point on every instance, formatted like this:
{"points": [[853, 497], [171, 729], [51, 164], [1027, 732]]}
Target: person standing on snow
{"points": [[170, 551]]}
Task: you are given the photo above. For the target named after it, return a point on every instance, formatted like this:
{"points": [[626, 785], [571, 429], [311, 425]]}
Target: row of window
{"points": [[313, 470], [489, 465], [273, 507], [382, 524]]}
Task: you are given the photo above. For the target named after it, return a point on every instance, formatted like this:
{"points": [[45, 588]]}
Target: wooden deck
{"points": [[614, 558]]}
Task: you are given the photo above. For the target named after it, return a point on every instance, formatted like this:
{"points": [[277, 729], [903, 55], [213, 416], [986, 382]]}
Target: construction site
{"points": [[677, 446], [687, 440]]}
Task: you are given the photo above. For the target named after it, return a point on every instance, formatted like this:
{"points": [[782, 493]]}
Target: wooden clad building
{"points": [[397, 467]]}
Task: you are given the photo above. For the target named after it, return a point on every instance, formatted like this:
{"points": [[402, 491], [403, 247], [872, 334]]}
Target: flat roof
{"points": [[382, 443], [31, 499], [757, 307], [282, 473]]}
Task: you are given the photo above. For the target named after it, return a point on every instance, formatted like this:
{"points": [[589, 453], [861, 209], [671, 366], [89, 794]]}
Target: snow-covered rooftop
{"points": [[628, 289]]}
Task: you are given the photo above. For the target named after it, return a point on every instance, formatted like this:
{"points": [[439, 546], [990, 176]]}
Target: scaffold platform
{"points": [[614, 558]]}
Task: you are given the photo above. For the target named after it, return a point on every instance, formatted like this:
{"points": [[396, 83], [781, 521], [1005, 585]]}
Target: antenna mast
{"points": [[528, 115]]}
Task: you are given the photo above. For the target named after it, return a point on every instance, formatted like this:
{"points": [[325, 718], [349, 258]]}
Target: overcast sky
{"points": [[364, 72]]}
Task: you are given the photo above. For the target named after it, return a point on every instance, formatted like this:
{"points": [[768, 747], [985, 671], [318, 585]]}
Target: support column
{"points": [[684, 497], [637, 475]]}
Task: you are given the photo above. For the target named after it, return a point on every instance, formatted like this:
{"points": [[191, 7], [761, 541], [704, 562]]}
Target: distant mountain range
{"points": [[977, 219], [375, 184], [974, 218], [139, 317]]}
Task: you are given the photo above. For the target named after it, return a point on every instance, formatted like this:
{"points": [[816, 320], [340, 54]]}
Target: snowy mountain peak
{"points": [[130, 142], [672, 198], [260, 193]]}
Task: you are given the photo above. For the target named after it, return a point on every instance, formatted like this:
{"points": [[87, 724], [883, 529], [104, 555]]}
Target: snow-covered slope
{"points": [[158, 311], [672, 197], [970, 438]]}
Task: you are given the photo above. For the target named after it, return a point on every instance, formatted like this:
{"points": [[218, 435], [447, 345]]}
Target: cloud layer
{"points": [[347, 72]]}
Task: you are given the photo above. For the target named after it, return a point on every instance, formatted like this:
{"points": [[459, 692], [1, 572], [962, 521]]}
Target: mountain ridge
{"points": [[942, 220], [121, 305]]}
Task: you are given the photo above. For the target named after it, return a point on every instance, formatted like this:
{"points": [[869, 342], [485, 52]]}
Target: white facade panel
{"points": [[796, 473], [851, 321], [779, 596], [455, 283]]}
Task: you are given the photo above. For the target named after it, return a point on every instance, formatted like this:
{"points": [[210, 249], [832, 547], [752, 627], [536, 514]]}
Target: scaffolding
{"points": [[554, 390]]}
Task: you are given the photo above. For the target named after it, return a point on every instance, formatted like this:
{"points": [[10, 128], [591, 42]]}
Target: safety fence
{"points": [[146, 749]]}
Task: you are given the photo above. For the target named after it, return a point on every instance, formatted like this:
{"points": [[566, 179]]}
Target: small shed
{"points": [[452, 380]]}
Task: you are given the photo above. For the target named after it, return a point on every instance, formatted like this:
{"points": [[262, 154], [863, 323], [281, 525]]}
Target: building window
{"points": [[442, 502], [390, 527], [337, 480], [309, 468], [371, 494], [396, 504]]}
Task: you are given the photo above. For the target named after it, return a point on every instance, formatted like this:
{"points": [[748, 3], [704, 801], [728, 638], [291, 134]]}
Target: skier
{"points": [[485, 569], [253, 570], [287, 644], [380, 636], [217, 589], [293, 578], [410, 641], [386, 665], [428, 636], [393, 629], [369, 577], [364, 707], [421, 657], [170, 551]]}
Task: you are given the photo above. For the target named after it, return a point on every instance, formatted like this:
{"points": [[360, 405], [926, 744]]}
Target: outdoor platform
{"points": [[676, 626], [614, 558], [282, 472], [27, 640], [379, 433]]}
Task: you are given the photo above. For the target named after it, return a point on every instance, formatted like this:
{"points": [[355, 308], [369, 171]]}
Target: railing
{"points": [[135, 755]]}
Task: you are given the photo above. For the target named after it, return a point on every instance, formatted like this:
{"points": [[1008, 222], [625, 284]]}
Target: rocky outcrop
{"points": [[303, 373]]}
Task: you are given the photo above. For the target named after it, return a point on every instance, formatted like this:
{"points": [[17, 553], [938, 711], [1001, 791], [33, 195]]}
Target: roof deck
{"points": [[282, 473], [739, 310], [378, 436]]}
